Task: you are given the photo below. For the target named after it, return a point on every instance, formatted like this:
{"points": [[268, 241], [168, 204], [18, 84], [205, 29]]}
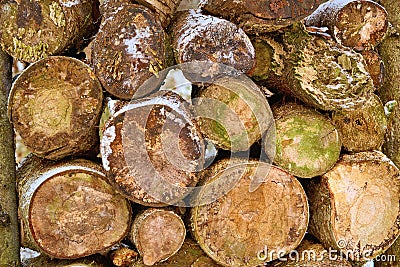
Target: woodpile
{"points": [[201, 133]]}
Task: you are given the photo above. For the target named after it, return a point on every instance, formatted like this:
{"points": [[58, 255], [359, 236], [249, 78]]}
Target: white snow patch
{"points": [[27, 253], [105, 148], [70, 3], [177, 82], [132, 44]]}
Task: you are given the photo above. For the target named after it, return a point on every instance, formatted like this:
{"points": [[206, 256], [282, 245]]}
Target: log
{"points": [[311, 253], [189, 253], [318, 71], [68, 210], [151, 150], [233, 113], [198, 37], [389, 50], [262, 16], [364, 128], [9, 232], [32, 30], [307, 142], [375, 66], [234, 229], [165, 10], [123, 256], [359, 24], [157, 234], [55, 106], [354, 207], [128, 49]]}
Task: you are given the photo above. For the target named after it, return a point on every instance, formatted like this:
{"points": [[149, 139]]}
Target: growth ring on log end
{"points": [[55, 106]]}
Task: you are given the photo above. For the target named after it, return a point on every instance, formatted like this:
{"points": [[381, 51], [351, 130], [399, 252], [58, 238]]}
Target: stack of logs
{"points": [[330, 71]]}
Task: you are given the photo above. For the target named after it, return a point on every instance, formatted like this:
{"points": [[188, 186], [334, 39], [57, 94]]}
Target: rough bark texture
{"points": [[189, 253], [363, 128], [375, 66], [312, 254], [165, 9], [360, 24], [55, 106], [157, 234], [32, 30], [123, 257], [233, 113], [355, 206], [151, 150], [235, 229], [316, 70], [262, 16], [9, 233], [128, 49], [68, 210], [389, 50], [307, 143], [199, 37]]}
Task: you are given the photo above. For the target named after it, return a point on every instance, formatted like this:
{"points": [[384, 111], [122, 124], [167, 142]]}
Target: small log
{"points": [[151, 149], [318, 71], [189, 253], [262, 16], [359, 24], [32, 30], [234, 229], [389, 50], [128, 49], [307, 143], [233, 113], [375, 66], [354, 207], [198, 37], [123, 256], [55, 106], [157, 234], [364, 128], [68, 210], [310, 253], [165, 10]]}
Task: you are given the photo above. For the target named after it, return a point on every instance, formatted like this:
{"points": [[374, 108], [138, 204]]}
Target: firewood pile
{"points": [[205, 133]]}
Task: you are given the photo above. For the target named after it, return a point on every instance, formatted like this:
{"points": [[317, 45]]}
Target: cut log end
{"points": [[355, 206], [55, 105], [157, 234], [235, 229], [307, 143]]}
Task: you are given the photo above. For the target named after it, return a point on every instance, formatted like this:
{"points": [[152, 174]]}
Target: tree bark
{"points": [[9, 233], [391, 257], [318, 71], [198, 37], [165, 10], [375, 67], [68, 210], [262, 16], [364, 128], [389, 50], [233, 113], [42, 260], [157, 234], [307, 142], [55, 106], [32, 30], [235, 229], [128, 49], [354, 207], [151, 150], [124, 256], [359, 24]]}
